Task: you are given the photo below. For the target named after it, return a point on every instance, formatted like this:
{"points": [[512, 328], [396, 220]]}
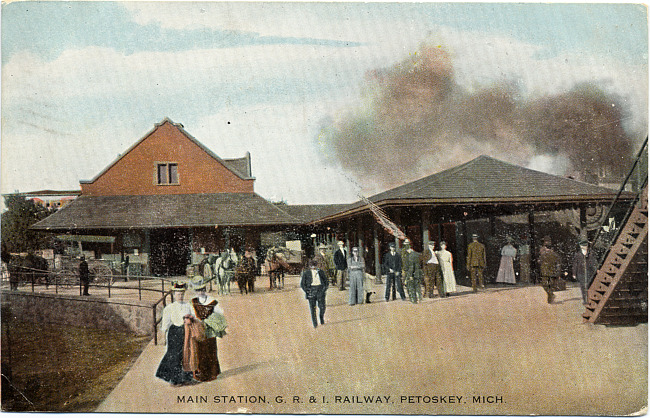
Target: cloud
{"points": [[286, 165]]}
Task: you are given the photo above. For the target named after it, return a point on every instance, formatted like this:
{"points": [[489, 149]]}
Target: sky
{"points": [[83, 81]]}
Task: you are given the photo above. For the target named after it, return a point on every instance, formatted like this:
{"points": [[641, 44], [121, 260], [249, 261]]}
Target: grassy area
{"points": [[62, 368]]}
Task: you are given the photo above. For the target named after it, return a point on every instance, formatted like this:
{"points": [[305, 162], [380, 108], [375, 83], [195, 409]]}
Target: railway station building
{"points": [[168, 200]]}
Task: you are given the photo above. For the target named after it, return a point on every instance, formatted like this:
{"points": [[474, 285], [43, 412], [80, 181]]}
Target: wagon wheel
{"points": [[66, 278], [102, 274]]}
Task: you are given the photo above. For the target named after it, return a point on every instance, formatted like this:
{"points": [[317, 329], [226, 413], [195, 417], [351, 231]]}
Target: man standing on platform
{"points": [[412, 273], [584, 268], [314, 283], [392, 265], [84, 275], [432, 271], [549, 268], [325, 263], [341, 264], [476, 262]]}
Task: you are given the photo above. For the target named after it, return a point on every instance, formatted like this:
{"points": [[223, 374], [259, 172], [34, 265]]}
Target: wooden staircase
{"points": [[619, 292]]}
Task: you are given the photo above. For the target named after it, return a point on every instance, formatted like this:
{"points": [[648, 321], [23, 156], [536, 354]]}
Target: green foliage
{"points": [[20, 215]]}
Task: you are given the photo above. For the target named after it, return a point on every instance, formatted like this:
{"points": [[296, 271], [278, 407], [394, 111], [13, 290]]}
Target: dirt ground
{"points": [[52, 368], [501, 351]]}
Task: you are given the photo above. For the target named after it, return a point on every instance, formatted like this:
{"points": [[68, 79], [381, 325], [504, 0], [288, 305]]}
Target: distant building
{"points": [[51, 199]]}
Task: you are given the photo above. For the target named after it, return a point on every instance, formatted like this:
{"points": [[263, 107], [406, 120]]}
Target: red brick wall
{"points": [[198, 172]]}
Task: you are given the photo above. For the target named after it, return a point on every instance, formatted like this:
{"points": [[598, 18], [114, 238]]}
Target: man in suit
{"points": [[392, 265], [341, 264], [412, 273], [313, 282], [584, 268], [549, 268], [476, 262], [84, 275], [325, 262], [432, 271]]}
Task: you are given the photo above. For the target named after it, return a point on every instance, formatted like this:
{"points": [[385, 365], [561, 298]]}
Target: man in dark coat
{"points": [[549, 268], [392, 265], [432, 271], [84, 275], [313, 282], [584, 268], [412, 273], [476, 262], [341, 264]]}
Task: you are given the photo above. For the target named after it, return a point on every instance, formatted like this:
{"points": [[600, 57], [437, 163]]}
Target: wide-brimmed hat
{"points": [[179, 286], [391, 244], [474, 235], [583, 242], [198, 283]]}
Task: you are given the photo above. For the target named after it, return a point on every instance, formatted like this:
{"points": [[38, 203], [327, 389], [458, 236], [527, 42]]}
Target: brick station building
{"points": [[166, 199]]}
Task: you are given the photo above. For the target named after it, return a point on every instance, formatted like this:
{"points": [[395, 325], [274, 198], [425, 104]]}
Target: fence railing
{"points": [[36, 278]]}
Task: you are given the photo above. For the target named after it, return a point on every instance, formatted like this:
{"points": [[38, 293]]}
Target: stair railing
{"points": [[621, 207]]}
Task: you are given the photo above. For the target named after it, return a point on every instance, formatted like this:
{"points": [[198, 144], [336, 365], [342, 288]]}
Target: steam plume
{"points": [[417, 120]]}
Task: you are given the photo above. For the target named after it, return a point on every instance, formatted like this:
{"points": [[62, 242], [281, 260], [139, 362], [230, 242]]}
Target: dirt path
{"points": [[496, 352]]}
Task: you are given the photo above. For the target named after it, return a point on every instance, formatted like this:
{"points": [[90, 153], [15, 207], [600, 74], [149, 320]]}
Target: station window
{"points": [[167, 173]]}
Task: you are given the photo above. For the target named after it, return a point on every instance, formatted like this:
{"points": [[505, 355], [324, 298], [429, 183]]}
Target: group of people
{"points": [[433, 268], [190, 332]]}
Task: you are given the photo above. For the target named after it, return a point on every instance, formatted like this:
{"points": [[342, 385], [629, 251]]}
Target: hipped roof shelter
{"points": [[487, 182]]}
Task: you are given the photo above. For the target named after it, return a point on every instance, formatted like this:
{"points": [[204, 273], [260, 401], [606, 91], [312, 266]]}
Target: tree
{"points": [[20, 215]]}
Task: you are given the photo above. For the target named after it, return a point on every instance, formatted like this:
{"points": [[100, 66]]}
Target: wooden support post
{"points": [[533, 246], [425, 228], [375, 235], [583, 220], [398, 222], [360, 242]]}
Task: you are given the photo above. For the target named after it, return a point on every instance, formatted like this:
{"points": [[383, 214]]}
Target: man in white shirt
{"points": [[313, 282]]}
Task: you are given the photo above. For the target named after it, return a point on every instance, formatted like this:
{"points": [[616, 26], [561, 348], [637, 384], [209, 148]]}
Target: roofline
{"points": [[453, 170], [226, 225], [520, 200], [46, 193], [148, 134]]}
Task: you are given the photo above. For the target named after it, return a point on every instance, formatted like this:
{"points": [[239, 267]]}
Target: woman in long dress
{"points": [[175, 317], [356, 274], [506, 268], [207, 311], [447, 266]]}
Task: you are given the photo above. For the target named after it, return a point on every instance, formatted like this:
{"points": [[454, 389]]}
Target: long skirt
{"points": [[208, 368], [171, 365], [506, 272]]}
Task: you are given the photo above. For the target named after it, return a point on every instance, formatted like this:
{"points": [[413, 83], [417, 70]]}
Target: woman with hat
{"points": [[356, 274], [506, 273], [205, 309], [175, 317]]}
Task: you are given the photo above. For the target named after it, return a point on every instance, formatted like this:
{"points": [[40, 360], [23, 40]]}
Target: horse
{"points": [[245, 273], [275, 264], [224, 269]]}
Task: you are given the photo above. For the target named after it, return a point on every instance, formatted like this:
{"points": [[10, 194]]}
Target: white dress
{"points": [[447, 267], [506, 268]]}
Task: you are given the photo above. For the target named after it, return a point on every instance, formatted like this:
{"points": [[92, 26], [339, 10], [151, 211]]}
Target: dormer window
{"points": [[166, 173]]}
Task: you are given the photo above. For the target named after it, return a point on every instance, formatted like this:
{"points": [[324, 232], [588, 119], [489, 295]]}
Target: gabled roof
{"points": [[487, 180], [166, 211], [237, 166]]}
